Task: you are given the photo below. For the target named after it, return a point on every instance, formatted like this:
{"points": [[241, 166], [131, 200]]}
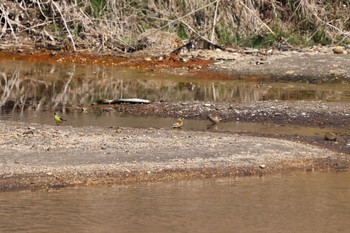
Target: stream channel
{"points": [[31, 92]]}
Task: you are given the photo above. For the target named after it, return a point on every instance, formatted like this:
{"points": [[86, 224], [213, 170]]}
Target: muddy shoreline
{"points": [[44, 157], [38, 156]]}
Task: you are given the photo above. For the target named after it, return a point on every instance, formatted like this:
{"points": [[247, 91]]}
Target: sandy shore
{"points": [[41, 156]]}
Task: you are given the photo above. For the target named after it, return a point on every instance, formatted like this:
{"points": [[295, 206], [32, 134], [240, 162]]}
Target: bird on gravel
{"points": [[58, 119], [214, 118], [179, 122]]}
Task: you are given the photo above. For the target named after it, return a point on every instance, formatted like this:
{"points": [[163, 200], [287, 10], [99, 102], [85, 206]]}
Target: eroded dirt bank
{"points": [[41, 156]]}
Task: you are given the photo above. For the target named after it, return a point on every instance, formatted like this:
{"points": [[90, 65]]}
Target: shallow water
{"points": [[51, 86], [31, 92], [296, 203], [112, 119]]}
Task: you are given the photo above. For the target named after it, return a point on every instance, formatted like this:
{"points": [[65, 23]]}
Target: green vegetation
{"points": [[116, 24]]}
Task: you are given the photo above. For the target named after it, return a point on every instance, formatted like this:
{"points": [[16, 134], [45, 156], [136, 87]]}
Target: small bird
{"points": [[214, 118], [58, 119], [179, 122]]}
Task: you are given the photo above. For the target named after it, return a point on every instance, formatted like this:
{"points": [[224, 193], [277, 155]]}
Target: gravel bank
{"points": [[310, 66], [40, 156]]}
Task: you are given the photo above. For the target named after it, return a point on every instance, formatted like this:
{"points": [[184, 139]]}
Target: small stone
{"points": [[338, 50], [262, 166], [29, 132], [330, 136], [207, 105], [310, 169], [340, 139], [340, 165], [118, 130], [184, 59]]}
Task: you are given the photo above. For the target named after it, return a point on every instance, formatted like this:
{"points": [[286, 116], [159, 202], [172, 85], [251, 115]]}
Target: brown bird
{"points": [[214, 118], [179, 122]]}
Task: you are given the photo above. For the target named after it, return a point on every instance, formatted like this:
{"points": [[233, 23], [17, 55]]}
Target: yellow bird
{"points": [[58, 119], [179, 122], [214, 118]]}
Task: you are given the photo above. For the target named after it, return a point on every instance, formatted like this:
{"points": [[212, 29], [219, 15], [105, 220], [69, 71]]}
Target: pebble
{"points": [[330, 136], [338, 50]]}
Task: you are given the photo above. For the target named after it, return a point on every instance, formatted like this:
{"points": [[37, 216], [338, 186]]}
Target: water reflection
{"points": [[303, 203], [40, 86], [114, 119]]}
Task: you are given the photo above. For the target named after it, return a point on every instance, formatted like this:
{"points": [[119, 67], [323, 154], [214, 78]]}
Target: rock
{"points": [[29, 132], [340, 165], [340, 139], [250, 51], [338, 50], [330, 136]]}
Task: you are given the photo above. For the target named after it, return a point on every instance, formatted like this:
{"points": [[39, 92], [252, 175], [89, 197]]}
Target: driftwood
{"points": [[122, 101]]}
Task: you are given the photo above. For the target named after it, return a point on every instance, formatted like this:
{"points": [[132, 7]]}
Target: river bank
{"points": [[42, 157]]}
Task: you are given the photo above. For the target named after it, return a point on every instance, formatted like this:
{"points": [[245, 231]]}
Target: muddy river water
{"points": [[30, 92], [295, 203]]}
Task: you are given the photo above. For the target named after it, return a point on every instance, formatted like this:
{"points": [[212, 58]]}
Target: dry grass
{"points": [[111, 25]]}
